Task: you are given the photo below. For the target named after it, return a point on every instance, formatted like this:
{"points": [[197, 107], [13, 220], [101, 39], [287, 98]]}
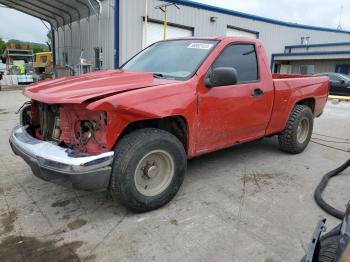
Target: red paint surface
{"points": [[77, 89], [216, 117], [71, 115]]}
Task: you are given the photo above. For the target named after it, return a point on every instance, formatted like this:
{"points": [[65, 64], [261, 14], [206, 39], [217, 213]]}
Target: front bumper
{"points": [[62, 165]]}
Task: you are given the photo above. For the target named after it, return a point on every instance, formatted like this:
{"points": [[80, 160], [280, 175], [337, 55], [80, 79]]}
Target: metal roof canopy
{"points": [[56, 12]]}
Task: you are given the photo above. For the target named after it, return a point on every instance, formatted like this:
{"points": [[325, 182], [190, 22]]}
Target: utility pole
{"points": [[340, 16], [164, 9], [165, 21]]}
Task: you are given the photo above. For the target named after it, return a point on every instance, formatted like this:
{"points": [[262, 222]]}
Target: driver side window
{"points": [[243, 58]]}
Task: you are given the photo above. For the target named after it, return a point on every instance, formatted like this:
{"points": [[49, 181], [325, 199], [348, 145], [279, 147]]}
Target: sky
{"points": [[17, 25], [324, 13]]}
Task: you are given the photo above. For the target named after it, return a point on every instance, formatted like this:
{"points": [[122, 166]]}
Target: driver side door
{"points": [[237, 113]]}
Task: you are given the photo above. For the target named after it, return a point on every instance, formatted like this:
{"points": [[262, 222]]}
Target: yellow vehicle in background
{"points": [[43, 63]]}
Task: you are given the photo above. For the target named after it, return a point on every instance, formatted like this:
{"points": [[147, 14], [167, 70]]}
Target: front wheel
{"points": [[297, 133], [148, 169]]}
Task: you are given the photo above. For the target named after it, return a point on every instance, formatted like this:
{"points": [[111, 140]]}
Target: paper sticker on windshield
{"points": [[200, 46]]}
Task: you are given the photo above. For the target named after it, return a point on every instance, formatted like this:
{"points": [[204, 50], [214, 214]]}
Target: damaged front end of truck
{"points": [[64, 144]]}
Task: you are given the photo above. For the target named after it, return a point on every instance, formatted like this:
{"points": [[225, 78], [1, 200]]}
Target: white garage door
{"points": [[155, 32], [236, 32]]}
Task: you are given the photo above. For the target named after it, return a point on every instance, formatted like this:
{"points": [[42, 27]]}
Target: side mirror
{"points": [[221, 76]]}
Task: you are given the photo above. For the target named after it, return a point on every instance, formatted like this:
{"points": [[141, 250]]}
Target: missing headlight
{"points": [[56, 133], [86, 132], [25, 114]]}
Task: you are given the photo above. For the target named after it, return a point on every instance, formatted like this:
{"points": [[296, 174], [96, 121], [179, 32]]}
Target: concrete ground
{"points": [[247, 203], [12, 87]]}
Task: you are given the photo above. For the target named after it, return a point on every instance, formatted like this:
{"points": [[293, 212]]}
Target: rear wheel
{"points": [[297, 133], [148, 169]]}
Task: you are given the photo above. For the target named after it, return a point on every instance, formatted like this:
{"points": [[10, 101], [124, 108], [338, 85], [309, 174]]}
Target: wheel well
{"points": [[310, 102], [176, 125]]}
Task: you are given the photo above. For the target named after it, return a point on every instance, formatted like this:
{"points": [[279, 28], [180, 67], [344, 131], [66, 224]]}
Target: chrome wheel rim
{"points": [[154, 173], [303, 130]]}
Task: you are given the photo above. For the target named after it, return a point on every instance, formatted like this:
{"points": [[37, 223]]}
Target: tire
{"points": [[292, 140], [148, 169], [328, 249]]}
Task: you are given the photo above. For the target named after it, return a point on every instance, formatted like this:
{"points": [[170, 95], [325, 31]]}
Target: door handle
{"points": [[257, 92]]}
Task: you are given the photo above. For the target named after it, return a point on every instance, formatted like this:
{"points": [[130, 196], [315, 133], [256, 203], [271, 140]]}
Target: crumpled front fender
{"points": [[176, 99]]}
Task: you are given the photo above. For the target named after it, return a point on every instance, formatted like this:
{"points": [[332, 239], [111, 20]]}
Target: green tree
{"points": [[49, 40], [2, 46], [36, 49]]}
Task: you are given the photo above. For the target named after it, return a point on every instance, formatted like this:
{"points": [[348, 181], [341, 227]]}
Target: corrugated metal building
{"points": [[313, 58], [109, 32], [82, 38], [196, 19]]}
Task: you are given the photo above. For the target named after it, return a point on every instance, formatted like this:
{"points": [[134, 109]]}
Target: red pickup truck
{"points": [[131, 131]]}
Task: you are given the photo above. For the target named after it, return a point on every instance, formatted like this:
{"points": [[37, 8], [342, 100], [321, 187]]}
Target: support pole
{"points": [[98, 16], [71, 44], [164, 9], [64, 47], [53, 45], [165, 21]]}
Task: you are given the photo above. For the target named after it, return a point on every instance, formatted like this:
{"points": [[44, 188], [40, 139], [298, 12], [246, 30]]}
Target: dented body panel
{"points": [[289, 91], [215, 118], [78, 89]]}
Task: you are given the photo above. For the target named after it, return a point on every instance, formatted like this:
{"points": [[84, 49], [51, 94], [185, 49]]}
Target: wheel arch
{"points": [[279, 117], [176, 125], [309, 102]]}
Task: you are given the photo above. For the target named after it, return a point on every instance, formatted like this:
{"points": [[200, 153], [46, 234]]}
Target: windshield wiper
{"points": [[158, 75]]}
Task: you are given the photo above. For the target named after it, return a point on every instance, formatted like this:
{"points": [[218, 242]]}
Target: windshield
{"points": [[177, 59]]}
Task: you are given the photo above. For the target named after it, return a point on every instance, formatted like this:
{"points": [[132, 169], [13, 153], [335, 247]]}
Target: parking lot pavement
{"points": [[247, 203]]}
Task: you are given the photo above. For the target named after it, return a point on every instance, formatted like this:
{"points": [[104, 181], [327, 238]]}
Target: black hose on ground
{"points": [[322, 185]]}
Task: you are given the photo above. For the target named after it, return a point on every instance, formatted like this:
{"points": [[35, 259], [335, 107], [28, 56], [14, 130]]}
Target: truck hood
{"points": [[91, 86]]}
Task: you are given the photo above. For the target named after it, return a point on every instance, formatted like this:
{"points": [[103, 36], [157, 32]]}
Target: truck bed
{"points": [[284, 76], [289, 89]]}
